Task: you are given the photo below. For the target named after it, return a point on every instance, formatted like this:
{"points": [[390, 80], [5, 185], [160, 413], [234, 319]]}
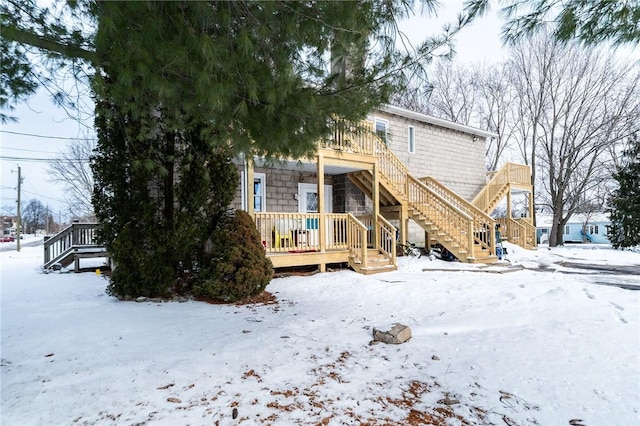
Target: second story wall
{"points": [[454, 157]]}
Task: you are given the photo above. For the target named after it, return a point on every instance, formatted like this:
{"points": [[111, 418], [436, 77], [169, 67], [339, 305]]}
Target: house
{"points": [[399, 176], [9, 225], [592, 228], [408, 177]]}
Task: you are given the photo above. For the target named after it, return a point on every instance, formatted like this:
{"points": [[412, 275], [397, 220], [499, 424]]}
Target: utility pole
{"points": [[18, 210]]}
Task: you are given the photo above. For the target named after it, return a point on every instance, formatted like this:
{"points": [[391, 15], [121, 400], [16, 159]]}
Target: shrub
{"points": [[237, 267]]}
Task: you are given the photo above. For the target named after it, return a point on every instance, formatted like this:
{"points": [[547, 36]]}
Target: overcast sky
{"points": [[480, 42]]}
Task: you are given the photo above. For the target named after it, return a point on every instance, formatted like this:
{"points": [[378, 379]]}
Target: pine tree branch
{"points": [[64, 48]]}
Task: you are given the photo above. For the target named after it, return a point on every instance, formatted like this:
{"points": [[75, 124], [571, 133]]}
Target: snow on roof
{"points": [[545, 220]]}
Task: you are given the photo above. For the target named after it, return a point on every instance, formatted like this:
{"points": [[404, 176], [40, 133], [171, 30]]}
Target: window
{"points": [[567, 230], [412, 139], [595, 229], [259, 192], [382, 129]]}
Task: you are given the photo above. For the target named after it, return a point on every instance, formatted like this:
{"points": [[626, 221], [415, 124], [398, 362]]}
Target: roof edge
{"points": [[392, 109]]}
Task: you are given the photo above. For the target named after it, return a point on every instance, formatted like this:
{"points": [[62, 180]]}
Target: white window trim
{"points": [[411, 140], [263, 178], [386, 127]]}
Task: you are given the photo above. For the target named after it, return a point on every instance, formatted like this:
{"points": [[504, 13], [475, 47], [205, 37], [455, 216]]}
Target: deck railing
{"points": [[302, 232], [313, 232], [347, 137], [75, 236]]}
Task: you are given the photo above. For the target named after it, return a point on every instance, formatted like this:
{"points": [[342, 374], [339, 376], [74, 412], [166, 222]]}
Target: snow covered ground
{"points": [[519, 343]]}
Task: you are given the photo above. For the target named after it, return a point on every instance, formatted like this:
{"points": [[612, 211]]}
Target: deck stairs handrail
{"points": [[518, 231], [500, 183], [77, 236], [481, 220]]}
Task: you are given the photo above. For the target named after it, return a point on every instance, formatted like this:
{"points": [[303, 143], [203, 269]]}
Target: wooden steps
{"points": [[376, 263]]}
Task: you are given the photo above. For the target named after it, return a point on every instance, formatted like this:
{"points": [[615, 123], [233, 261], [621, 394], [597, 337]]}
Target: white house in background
{"points": [[591, 228]]}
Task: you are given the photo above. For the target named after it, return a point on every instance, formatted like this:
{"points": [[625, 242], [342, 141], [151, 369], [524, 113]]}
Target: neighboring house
{"points": [[9, 225], [411, 177], [592, 228]]}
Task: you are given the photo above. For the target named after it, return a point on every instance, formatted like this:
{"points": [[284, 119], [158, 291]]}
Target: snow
{"points": [[528, 341]]}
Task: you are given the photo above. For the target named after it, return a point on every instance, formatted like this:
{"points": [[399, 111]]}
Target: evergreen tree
{"points": [[182, 86], [590, 21], [624, 202], [237, 266]]}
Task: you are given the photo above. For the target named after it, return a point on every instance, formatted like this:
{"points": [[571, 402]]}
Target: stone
{"points": [[449, 401], [141, 299], [398, 334]]}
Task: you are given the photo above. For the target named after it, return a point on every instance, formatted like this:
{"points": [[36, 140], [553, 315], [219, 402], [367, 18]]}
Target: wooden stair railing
{"points": [[483, 224], [499, 184], [78, 236], [518, 231], [468, 236], [384, 256]]}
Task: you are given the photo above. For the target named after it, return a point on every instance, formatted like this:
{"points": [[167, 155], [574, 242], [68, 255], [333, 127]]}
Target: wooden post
{"points": [[508, 221], [322, 223], [376, 206], [404, 224], [250, 190]]}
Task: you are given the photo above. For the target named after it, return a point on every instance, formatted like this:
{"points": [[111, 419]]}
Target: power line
{"points": [[44, 160], [43, 196], [29, 150], [47, 137]]}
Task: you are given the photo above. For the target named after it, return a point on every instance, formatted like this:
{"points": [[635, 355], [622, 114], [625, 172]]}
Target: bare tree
{"points": [[454, 93], [574, 104], [495, 101], [35, 216], [72, 170]]}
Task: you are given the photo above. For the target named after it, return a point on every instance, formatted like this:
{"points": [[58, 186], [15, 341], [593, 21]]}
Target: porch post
{"points": [[376, 206], [507, 231], [404, 224], [249, 182], [322, 223]]}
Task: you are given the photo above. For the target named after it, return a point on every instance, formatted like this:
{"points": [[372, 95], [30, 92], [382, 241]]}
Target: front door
{"points": [[308, 198], [308, 203]]}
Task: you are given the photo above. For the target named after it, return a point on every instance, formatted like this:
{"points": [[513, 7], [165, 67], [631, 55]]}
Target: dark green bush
{"points": [[237, 267]]}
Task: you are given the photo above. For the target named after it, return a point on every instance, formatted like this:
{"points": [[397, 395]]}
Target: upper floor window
{"points": [[412, 140], [382, 129]]}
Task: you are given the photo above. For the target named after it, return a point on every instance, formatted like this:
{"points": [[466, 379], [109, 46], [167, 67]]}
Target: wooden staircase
{"points": [[73, 243], [511, 176], [373, 245], [449, 220], [376, 262]]}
